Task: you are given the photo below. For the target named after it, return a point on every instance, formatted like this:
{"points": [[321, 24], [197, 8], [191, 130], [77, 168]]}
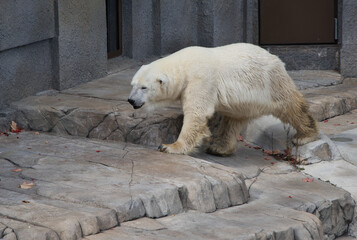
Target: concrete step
{"points": [[82, 187], [99, 109]]}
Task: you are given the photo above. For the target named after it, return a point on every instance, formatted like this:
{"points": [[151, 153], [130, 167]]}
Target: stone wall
{"points": [[348, 56], [26, 32], [82, 42], [57, 44], [161, 27], [50, 44]]}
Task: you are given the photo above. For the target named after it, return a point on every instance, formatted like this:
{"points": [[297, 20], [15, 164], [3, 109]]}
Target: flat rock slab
{"points": [[342, 174], [328, 102], [282, 206], [313, 78], [346, 143], [82, 186], [255, 222], [339, 124], [272, 182]]}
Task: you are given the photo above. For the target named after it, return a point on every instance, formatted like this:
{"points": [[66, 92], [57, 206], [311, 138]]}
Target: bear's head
{"points": [[150, 86]]}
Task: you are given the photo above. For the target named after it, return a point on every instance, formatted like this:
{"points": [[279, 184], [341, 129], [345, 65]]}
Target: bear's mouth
{"points": [[137, 107]]}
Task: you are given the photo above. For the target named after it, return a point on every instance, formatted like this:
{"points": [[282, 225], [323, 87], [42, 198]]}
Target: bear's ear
{"points": [[162, 80]]}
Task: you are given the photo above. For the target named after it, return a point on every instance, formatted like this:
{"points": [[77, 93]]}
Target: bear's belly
{"points": [[244, 110]]}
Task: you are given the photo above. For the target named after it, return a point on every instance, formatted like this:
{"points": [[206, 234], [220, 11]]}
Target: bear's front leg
{"points": [[193, 131]]}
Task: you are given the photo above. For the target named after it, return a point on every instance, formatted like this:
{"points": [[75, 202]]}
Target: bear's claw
{"points": [[161, 148]]}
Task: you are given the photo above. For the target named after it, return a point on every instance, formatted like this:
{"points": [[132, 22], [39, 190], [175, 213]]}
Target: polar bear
{"points": [[240, 81]]}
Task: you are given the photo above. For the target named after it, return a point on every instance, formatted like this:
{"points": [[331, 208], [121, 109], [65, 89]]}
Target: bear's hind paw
{"points": [[214, 151], [174, 148]]}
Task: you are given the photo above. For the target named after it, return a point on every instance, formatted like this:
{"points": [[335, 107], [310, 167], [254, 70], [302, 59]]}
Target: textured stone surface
{"points": [[23, 22], [25, 71], [309, 79], [111, 117], [347, 144], [311, 212], [342, 174], [349, 39], [81, 42], [269, 132], [328, 102], [340, 123], [307, 57], [82, 187]]}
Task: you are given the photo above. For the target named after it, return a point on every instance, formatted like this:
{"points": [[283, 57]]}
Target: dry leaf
{"points": [[14, 127], [275, 152], [16, 170], [27, 185], [240, 138], [37, 133], [266, 158], [268, 152], [24, 201], [307, 179]]}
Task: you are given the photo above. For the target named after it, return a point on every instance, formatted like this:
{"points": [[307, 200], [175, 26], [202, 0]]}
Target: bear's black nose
{"points": [[131, 101]]}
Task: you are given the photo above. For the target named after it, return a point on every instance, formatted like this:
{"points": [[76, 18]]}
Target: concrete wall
{"points": [[348, 54], [82, 44], [160, 27], [229, 25], [60, 43], [178, 21], [26, 32], [307, 57], [47, 44], [23, 22]]}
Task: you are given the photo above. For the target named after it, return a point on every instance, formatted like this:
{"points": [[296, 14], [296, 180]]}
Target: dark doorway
{"points": [[297, 21], [114, 28]]}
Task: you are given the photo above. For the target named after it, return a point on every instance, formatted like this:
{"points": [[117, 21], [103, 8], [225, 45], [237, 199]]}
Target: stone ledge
{"points": [[82, 186]]}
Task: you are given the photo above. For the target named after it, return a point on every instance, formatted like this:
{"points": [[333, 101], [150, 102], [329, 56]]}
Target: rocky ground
{"points": [[80, 172]]}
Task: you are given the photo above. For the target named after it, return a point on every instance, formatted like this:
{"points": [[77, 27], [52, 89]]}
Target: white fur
{"points": [[235, 80]]}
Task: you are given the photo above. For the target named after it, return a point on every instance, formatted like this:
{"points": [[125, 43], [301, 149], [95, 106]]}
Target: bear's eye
{"points": [[143, 88]]}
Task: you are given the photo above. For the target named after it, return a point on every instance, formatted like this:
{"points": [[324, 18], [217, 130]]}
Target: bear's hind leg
{"points": [[225, 141], [298, 116]]}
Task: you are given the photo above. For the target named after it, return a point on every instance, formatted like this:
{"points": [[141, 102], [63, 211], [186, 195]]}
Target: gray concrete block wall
{"points": [[127, 28], [205, 23], [26, 32], [178, 24], [251, 22], [348, 54], [142, 29], [23, 22], [82, 45], [25, 71], [228, 22], [160, 27], [307, 57]]}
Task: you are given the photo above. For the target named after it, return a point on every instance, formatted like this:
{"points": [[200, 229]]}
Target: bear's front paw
{"points": [[175, 148]]}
